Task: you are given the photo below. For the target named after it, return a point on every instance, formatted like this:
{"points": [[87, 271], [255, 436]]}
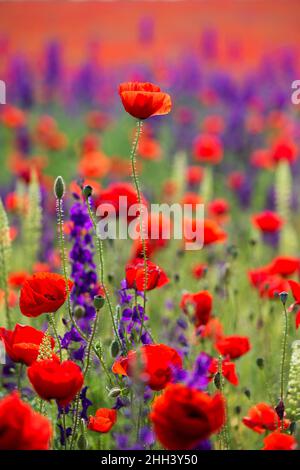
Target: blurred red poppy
{"points": [[194, 175], [17, 279], [154, 364], [135, 275], [43, 293], [228, 370], [199, 270], [22, 343], [284, 150], [21, 427], [208, 149], [197, 306], [143, 100], [56, 380], [103, 421], [279, 441], [262, 417], [183, 416], [267, 221], [233, 346]]}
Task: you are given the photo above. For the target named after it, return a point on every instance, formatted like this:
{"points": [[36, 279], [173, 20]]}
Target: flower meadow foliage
{"points": [[121, 344]]}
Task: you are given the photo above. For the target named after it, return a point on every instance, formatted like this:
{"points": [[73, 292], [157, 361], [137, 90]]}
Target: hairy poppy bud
{"points": [[79, 311], [110, 278], [217, 380], [114, 392], [280, 409], [59, 187], [99, 301], [82, 442], [247, 393], [87, 191], [283, 297], [114, 349], [260, 362]]}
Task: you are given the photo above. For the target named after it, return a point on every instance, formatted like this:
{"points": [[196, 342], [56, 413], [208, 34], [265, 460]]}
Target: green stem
{"points": [[54, 329], [90, 343], [224, 431], [283, 355], [101, 265], [139, 126]]}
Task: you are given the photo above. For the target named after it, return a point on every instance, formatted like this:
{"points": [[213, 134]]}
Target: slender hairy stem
{"points": [[101, 266], [90, 343], [224, 431], [139, 126], [54, 329], [283, 355], [75, 421]]}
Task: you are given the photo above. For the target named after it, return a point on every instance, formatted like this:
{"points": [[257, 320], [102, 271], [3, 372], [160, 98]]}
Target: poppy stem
{"points": [[139, 127], [283, 355], [51, 321], [90, 343], [101, 264], [224, 438], [21, 368]]}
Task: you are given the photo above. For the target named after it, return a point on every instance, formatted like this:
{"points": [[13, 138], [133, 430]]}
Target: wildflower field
{"points": [[152, 341]]}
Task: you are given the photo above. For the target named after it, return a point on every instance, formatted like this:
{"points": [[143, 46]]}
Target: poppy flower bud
{"points": [[247, 393], [260, 362], [99, 301], [280, 409], [59, 187], [79, 311], [114, 349], [238, 410], [82, 442], [87, 191], [217, 380], [110, 278], [176, 277], [114, 392], [283, 297]]}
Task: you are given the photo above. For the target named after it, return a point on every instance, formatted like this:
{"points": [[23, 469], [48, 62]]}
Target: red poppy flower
{"points": [[212, 330], [17, 279], [213, 124], [218, 207], [54, 380], [13, 117], [103, 420], [198, 306], [158, 229], [21, 428], [284, 150], [194, 175], [199, 270], [262, 417], [158, 362], [228, 370], [262, 159], [271, 286], [143, 100], [135, 275], [43, 293], [236, 180], [191, 199], [267, 221], [212, 232], [121, 196], [183, 416], [208, 149], [233, 346], [94, 165], [258, 276], [284, 266], [22, 343], [295, 287], [279, 441], [149, 149]]}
